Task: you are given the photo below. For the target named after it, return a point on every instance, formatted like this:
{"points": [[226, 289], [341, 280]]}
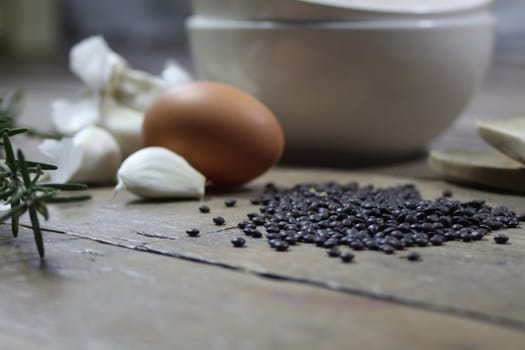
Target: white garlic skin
{"points": [[124, 123], [93, 61], [156, 172], [92, 156], [101, 156], [70, 116]]}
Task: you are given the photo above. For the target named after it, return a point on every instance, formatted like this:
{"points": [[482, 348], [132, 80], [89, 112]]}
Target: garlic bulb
{"points": [[117, 95], [102, 70], [124, 123], [156, 172], [91, 156]]}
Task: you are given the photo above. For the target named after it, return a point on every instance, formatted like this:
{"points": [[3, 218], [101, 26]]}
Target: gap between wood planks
{"points": [[448, 310]]}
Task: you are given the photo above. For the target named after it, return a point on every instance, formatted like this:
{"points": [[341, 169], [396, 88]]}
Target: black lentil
{"points": [[204, 209], [437, 240], [280, 245], [230, 203], [252, 215], [258, 220], [256, 233], [387, 249], [192, 232], [501, 238], [238, 242], [333, 252], [291, 240], [477, 234], [447, 193], [347, 257], [219, 220], [413, 256], [255, 201], [243, 224], [331, 215]]}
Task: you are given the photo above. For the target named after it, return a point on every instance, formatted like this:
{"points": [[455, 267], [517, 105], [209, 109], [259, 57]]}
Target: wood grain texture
{"points": [[478, 280], [92, 296]]}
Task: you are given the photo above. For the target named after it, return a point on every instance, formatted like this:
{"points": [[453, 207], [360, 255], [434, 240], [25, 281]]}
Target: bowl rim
{"points": [[479, 19], [434, 7]]}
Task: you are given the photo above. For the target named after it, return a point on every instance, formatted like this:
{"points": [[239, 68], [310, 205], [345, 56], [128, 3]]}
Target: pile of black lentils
{"points": [[332, 216]]}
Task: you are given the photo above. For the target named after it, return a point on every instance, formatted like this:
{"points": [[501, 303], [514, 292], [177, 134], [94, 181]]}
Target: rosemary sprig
{"points": [[19, 179]]}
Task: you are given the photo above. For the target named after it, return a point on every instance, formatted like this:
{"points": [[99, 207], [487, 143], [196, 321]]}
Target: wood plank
{"points": [[93, 296]]}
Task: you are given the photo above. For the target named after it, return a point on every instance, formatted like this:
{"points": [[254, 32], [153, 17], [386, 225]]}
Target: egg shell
{"points": [[225, 133]]}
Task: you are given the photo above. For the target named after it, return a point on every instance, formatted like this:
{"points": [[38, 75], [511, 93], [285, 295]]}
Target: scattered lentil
{"points": [[447, 193], [255, 201], [413, 256], [347, 257], [219, 220], [230, 203], [238, 242], [193, 232], [333, 252], [204, 209], [501, 238]]}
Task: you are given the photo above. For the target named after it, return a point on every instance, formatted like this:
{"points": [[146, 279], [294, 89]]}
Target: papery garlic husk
{"points": [[138, 90], [92, 156], [174, 74], [124, 123], [93, 61], [65, 155], [70, 116], [156, 172], [103, 70]]}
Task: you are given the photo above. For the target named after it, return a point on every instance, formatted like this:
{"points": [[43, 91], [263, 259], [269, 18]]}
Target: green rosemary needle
{"points": [[19, 180]]}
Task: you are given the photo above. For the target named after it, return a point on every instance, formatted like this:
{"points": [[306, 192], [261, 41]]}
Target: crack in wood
{"points": [[156, 235], [443, 309]]}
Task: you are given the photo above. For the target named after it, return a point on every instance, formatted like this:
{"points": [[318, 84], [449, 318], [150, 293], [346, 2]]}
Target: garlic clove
{"points": [[69, 116], [157, 172], [91, 156], [101, 156], [124, 123], [93, 61]]}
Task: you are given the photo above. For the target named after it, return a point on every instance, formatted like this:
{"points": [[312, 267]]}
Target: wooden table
{"points": [[122, 274]]}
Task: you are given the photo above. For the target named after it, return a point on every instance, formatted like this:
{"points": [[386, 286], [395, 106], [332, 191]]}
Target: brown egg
{"points": [[225, 133]]}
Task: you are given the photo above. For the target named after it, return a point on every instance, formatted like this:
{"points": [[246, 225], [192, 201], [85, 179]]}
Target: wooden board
{"points": [[121, 273], [105, 269]]}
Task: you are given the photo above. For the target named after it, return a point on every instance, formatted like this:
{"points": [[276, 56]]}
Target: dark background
{"points": [[147, 31]]}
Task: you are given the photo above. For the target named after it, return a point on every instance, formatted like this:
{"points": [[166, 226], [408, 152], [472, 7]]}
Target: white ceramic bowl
{"points": [[373, 90], [299, 10]]}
